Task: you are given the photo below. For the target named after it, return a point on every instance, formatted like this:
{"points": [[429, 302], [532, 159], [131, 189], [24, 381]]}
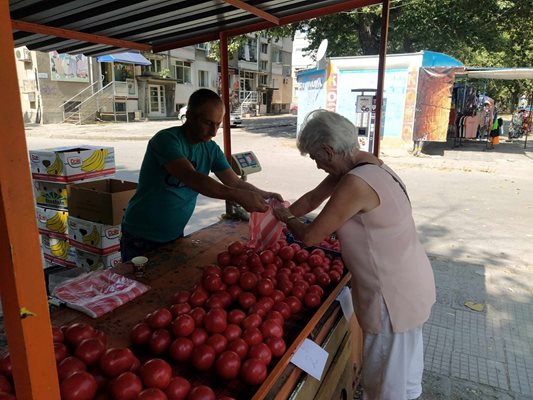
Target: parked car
{"points": [[234, 118]]}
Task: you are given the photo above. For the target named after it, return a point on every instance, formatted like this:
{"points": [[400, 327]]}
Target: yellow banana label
{"points": [[96, 161], [93, 238]]}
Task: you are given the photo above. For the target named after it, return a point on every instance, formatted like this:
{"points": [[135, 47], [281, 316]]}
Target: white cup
{"points": [[139, 263]]}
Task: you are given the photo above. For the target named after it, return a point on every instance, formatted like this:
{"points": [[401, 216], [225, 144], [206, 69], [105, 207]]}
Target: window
{"points": [[264, 48], [274, 83], [203, 78], [203, 46], [276, 56], [123, 71], [263, 65], [156, 65], [263, 80], [248, 51], [183, 71]]}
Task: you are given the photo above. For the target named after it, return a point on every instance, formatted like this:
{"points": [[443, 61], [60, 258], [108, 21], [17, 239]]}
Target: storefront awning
{"points": [[127, 58], [497, 73]]}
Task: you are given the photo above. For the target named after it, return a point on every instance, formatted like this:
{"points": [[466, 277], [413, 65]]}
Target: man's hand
{"points": [[251, 201], [273, 195], [281, 213]]}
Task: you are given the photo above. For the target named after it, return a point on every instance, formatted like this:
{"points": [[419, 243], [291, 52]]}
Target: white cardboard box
{"points": [[52, 222], [94, 237], [71, 163], [93, 262], [51, 194]]}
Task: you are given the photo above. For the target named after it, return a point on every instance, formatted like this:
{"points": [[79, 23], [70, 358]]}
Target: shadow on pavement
{"points": [[468, 145], [281, 126]]}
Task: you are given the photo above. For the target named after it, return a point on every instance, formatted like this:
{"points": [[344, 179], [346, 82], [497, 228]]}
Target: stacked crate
{"points": [[52, 171], [94, 221]]}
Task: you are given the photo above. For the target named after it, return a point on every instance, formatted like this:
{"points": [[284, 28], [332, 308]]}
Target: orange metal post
{"points": [[224, 87], [22, 287], [381, 74]]}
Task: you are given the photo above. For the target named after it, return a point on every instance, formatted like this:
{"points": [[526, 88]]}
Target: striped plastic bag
{"points": [[264, 228]]}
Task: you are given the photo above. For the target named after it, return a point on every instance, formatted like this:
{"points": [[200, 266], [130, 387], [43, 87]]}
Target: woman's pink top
{"points": [[387, 261]]}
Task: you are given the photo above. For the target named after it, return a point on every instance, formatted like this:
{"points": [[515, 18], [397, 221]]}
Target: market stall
{"points": [[78, 27]]}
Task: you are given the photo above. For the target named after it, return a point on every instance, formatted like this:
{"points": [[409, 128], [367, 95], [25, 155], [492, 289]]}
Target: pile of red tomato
{"points": [[231, 323]]}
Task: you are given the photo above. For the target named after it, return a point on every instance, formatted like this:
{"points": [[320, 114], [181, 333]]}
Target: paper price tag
{"points": [[311, 358], [345, 298]]}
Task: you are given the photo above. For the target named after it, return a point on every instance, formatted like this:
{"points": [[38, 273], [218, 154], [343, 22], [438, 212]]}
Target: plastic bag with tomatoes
{"points": [[264, 228]]}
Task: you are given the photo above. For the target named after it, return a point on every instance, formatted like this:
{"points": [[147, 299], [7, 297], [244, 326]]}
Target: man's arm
{"points": [[230, 178], [183, 170]]}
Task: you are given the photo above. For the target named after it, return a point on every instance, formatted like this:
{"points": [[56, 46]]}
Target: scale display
{"points": [[245, 163]]}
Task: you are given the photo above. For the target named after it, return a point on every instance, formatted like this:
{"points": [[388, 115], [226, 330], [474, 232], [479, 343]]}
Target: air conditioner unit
{"points": [[23, 54]]}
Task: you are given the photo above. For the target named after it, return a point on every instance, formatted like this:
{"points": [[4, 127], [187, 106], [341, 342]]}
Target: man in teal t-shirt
{"points": [[175, 169]]}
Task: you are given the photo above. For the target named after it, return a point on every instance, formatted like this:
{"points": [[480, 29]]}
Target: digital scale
{"points": [[243, 164]]}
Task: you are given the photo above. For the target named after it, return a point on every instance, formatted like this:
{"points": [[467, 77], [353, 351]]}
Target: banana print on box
{"points": [[95, 162]]}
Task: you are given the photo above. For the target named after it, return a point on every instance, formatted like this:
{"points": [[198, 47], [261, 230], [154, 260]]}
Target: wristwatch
{"points": [[291, 217]]}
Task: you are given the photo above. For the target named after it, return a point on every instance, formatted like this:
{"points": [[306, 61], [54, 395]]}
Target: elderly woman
{"points": [[392, 281]]}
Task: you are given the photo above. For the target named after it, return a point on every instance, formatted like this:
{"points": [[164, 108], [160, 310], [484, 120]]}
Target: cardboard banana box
{"points": [[72, 164], [52, 222], [93, 237], [92, 262], [51, 194], [58, 251]]}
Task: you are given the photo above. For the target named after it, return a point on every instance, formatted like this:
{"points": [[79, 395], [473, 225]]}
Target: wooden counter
{"points": [[180, 265]]}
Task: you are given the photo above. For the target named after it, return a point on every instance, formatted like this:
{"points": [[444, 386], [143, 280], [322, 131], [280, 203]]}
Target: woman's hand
{"points": [[282, 213], [272, 195]]}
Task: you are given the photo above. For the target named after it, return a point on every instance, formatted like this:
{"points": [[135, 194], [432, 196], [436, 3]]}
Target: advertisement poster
{"points": [[311, 93], [410, 104], [68, 68], [433, 104]]}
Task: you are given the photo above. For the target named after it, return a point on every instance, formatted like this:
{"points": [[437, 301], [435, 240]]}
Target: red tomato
{"points": [[135, 365], [252, 321], [232, 332], [215, 320], [230, 275], [234, 291], [316, 289], [240, 262], [180, 308], [296, 247], [212, 269], [228, 365], [152, 394], [252, 336], [159, 319], [217, 342], [275, 248], [181, 349], [60, 352], [116, 361], [126, 386], [76, 333], [224, 258], [283, 308], [266, 302], [222, 297], [80, 385], [68, 366], [178, 388], [277, 346], [199, 336], [160, 341], [335, 276], [286, 253], [265, 287], [183, 325], [90, 351], [239, 346], [6, 367], [298, 292], [294, 303], [211, 282], [141, 333], [290, 265], [276, 316], [5, 385], [248, 280], [201, 392], [198, 313], [267, 257], [277, 295], [254, 261], [203, 357], [311, 300], [323, 279], [181, 296], [246, 300], [269, 273], [301, 256], [155, 373], [253, 371], [310, 278], [257, 309], [261, 351], [236, 248], [236, 316], [271, 328], [198, 297], [57, 335], [285, 287], [315, 260]]}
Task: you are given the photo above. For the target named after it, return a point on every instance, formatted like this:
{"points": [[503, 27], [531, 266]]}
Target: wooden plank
{"points": [[22, 286]]}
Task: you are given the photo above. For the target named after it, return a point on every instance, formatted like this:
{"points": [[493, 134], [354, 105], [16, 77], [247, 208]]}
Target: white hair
{"points": [[327, 127]]}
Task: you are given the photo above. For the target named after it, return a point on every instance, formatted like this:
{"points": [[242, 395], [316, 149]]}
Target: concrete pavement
{"points": [[474, 213]]}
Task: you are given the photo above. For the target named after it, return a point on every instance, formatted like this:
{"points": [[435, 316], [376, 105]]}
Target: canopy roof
{"points": [[497, 73], [105, 26], [126, 57]]}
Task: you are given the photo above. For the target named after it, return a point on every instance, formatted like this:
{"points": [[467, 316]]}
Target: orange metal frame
{"points": [[22, 287]]}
